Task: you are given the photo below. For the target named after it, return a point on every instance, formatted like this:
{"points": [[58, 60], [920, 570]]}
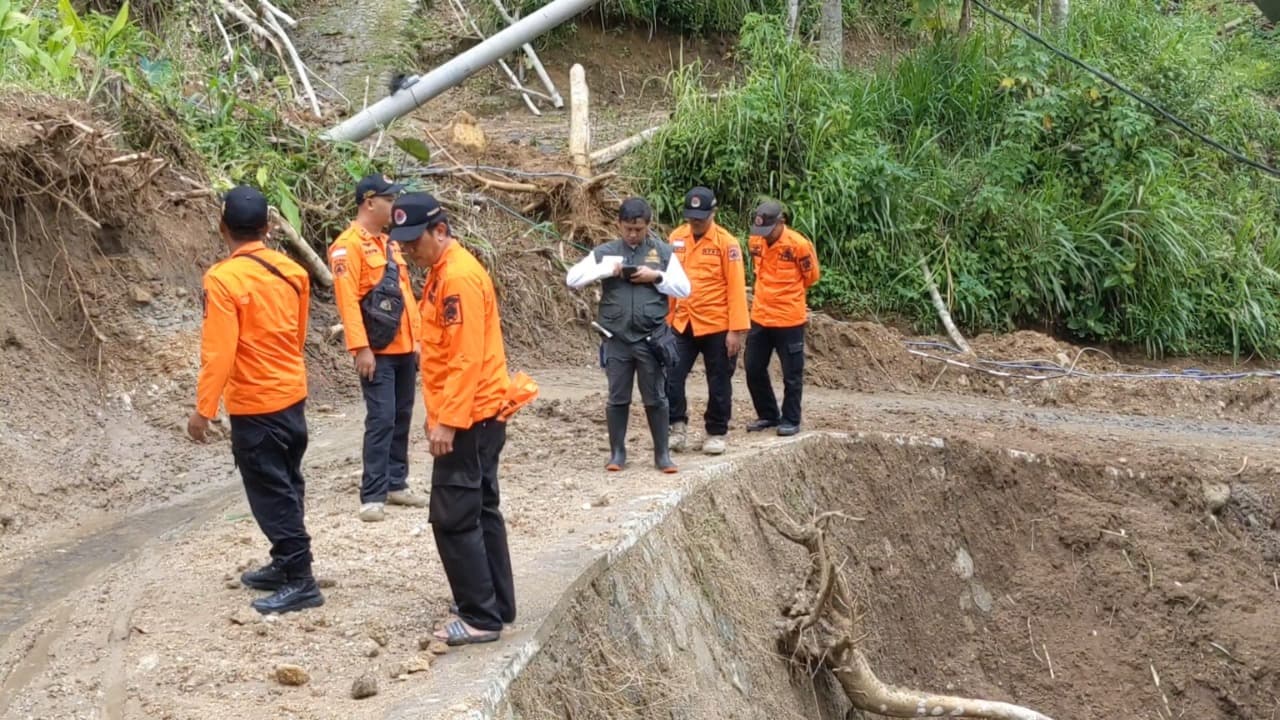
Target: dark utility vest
{"points": [[630, 311]]}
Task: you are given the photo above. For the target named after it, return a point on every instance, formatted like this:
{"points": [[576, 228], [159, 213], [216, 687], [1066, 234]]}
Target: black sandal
{"points": [[456, 634]]}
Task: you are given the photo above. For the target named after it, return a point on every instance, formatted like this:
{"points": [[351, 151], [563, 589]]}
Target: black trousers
{"points": [[470, 533], [388, 402], [268, 449], [626, 362], [788, 342], [719, 367]]}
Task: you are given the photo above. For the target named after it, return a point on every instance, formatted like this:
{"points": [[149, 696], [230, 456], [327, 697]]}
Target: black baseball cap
{"points": [[766, 218], [244, 209], [635, 208], [375, 185], [412, 214], [699, 204]]}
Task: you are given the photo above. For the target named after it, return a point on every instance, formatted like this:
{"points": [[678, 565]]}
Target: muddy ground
{"points": [[120, 541]]}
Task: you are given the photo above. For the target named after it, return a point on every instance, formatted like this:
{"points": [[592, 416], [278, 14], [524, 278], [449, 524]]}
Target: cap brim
{"points": [[763, 230], [407, 233], [691, 214], [393, 189]]}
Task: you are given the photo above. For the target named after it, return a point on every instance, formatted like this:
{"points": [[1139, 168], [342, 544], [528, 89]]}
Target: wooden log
{"points": [[604, 156], [579, 121]]}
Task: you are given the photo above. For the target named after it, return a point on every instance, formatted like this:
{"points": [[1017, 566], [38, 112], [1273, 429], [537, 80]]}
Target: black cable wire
{"points": [[1105, 77]]}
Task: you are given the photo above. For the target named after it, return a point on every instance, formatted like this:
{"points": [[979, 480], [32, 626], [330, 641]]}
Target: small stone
{"points": [[333, 333], [601, 501], [1216, 495], [180, 292], [963, 564], [365, 686], [232, 584], [370, 649], [433, 646], [148, 663], [326, 582], [376, 633], [292, 675], [415, 664], [140, 295]]}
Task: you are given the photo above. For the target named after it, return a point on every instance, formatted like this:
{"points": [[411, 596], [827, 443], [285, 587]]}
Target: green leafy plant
{"points": [[1039, 195]]}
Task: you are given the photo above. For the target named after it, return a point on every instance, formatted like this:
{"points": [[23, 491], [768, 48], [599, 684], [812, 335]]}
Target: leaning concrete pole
{"points": [[379, 114]]}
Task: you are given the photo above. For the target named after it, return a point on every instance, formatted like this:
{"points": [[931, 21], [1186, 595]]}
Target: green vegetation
{"points": [[231, 117], [1039, 194]]}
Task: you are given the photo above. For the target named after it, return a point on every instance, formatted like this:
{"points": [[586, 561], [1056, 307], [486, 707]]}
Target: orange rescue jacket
{"points": [[464, 365], [717, 300], [784, 271], [358, 260], [255, 327]]}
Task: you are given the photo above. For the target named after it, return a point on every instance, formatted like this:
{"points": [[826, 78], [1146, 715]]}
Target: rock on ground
{"points": [[365, 686], [292, 675]]}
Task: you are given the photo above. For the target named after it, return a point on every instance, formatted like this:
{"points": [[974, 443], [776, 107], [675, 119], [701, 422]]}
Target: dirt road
{"points": [[143, 618]]}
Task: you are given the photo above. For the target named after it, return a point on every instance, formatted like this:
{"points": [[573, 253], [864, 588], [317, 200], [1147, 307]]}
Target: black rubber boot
{"points": [[660, 429], [295, 595], [617, 417], [267, 577]]}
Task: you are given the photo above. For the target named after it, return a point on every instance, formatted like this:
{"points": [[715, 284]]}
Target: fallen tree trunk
{"points": [[824, 603]]}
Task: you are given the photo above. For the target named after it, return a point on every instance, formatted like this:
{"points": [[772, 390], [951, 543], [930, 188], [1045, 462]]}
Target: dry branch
{"points": [[460, 9], [943, 313], [821, 631], [314, 264], [303, 75], [532, 55]]}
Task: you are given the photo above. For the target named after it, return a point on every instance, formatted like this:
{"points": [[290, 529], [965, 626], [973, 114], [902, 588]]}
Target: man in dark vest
{"points": [[638, 272]]}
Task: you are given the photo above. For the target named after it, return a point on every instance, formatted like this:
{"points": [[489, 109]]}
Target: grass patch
{"points": [[1044, 197]]}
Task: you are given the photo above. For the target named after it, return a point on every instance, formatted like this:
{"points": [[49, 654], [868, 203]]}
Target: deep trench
{"points": [[1061, 585]]}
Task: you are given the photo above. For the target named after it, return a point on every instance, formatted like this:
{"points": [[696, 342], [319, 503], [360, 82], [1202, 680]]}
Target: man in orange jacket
{"points": [[710, 322], [367, 267], [251, 358], [464, 385], [786, 266]]}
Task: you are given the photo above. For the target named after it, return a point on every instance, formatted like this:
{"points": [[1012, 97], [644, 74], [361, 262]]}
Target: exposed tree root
{"points": [[820, 630]]}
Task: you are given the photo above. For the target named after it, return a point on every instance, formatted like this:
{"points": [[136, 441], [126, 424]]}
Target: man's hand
{"points": [[366, 363], [733, 343], [617, 268], [441, 439], [645, 275], [197, 427]]}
